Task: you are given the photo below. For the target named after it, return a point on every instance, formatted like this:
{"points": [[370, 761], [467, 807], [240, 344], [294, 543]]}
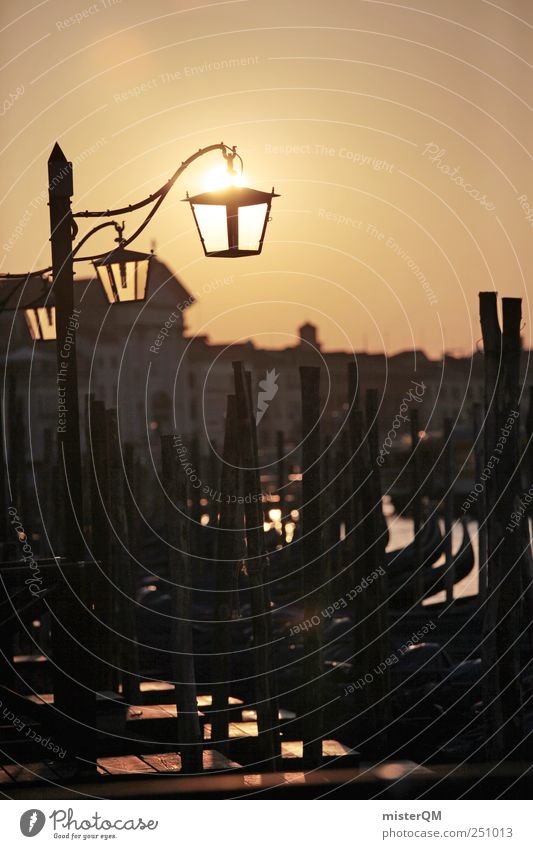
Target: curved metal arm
{"points": [[38, 273], [229, 155], [91, 233], [75, 250], [161, 193]]}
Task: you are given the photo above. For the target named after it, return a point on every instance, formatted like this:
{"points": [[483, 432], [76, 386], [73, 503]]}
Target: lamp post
{"points": [[73, 694], [60, 191]]}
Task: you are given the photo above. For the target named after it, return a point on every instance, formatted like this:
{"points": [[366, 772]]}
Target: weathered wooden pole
{"points": [[528, 464], [478, 443], [416, 500], [377, 590], [12, 450], [73, 667], [492, 347], [131, 481], [357, 475], [4, 535], [17, 450], [501, 624], [180, 578], [7, 674], [527, 476], [510, 592], [372, 419], [196, 530], [256, 562], [481, 506], [281, 479], [229, 551], [49, 474], [342, 573], [449, 579], [330, 520], [122, 567], [313, 567], [353, 480], [210, 538], [97, 447]]}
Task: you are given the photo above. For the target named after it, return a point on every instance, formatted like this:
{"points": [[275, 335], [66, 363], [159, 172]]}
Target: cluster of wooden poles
{"points": [[340, 487]]}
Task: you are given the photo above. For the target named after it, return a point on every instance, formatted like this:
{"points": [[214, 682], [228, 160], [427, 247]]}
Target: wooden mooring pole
{"points": [[124, 629], [256, 562], [180, 576], [230, 551], [416, 500], [449, 579], [478, 440], [501, 649], [281, 479], [313, 570], [97, 448], [375, 533]]}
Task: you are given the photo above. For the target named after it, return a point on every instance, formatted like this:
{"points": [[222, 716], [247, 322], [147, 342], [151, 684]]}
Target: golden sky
{"points": [[398, 134]]}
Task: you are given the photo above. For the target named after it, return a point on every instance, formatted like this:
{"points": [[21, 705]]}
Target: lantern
{"points": [[232, 221], [41, 323], [34, 296], [124, 275]]}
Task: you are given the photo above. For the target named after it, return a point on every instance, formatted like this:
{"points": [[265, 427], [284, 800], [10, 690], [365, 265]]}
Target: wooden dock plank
{"points": [[105, 700], [5, 777], [30, 772], [330, 749], [265, 780], [236, 730], [123, 765], [251, 715], [142, 713], [167, 762], [207, 701], [162, 688], [170, 762], [30, 658]]}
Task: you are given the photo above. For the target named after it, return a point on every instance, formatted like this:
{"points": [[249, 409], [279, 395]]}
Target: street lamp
{"points": [[124, 275], [41, 323], [32, 294], [231, 222], [239, 217]]}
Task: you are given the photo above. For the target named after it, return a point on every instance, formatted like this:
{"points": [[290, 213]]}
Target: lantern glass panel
{"points": [[251, 224], [41, 323], [213, 226], [124, 281]]}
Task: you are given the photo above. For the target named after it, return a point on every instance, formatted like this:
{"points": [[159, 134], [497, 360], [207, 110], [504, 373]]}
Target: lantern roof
{"points": [[122, 255], [26, 293], [232, 196]]}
